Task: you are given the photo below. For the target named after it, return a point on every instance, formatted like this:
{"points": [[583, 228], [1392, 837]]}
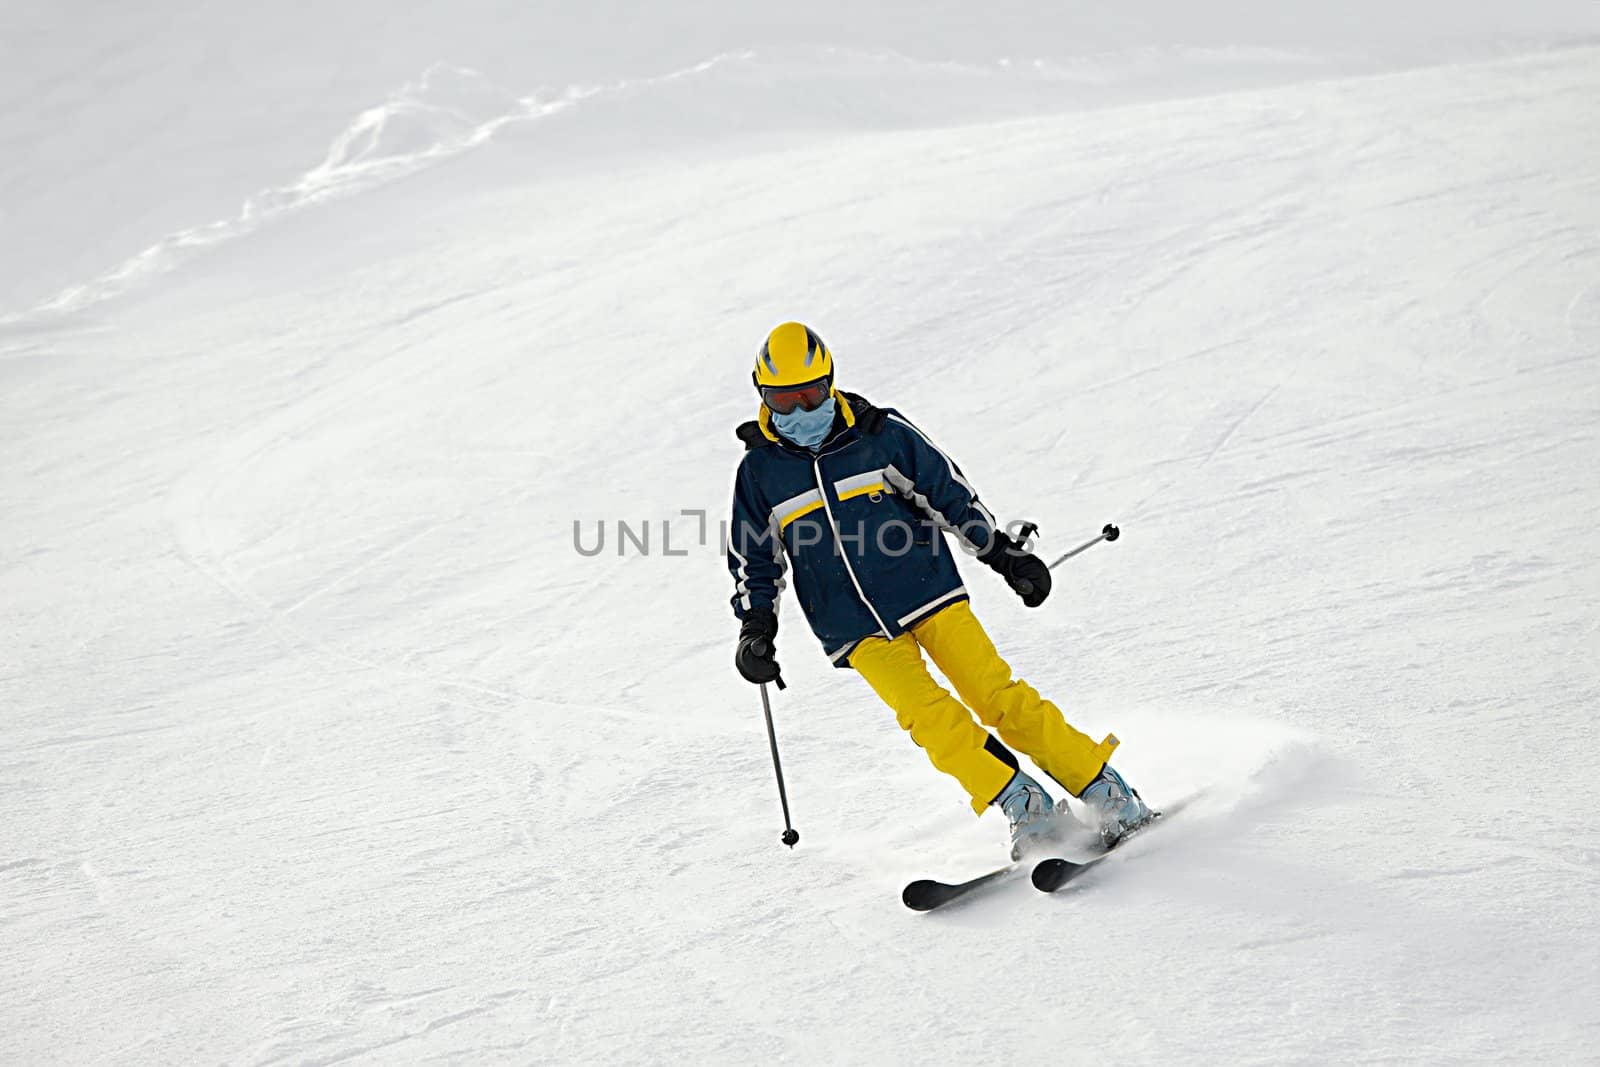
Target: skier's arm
{"points": [[754, 553], [934, 484]]}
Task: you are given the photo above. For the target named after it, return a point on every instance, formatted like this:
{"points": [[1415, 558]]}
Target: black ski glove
{"points": [[757, 657], [1024, 572]]}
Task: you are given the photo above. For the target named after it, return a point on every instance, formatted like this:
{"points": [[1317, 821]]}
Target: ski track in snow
{"points": [[326, 746], [448, 111]]}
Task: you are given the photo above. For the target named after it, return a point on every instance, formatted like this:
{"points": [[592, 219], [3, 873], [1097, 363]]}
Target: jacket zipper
{"points": [[816, 467]]}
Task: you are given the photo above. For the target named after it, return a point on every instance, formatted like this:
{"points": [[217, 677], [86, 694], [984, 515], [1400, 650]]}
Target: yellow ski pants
{"points": [[943, 725]]}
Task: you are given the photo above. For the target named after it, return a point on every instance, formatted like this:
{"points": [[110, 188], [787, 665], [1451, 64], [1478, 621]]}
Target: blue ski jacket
{"points": [[862, 522]]}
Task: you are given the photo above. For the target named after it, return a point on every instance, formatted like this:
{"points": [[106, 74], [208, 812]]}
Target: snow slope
{"points": [[323, 742], [125, 127]]}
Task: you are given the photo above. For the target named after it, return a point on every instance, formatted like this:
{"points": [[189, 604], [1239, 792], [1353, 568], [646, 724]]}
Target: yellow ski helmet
{"points": [[793, 355], [794, 369]]}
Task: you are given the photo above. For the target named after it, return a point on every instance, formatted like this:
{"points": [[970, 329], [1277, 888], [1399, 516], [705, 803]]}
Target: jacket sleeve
{"points": [[933, 483], [755, 555]]}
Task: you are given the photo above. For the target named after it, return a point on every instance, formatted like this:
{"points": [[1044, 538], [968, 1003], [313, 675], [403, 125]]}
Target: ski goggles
{"points": [[783, 399]]}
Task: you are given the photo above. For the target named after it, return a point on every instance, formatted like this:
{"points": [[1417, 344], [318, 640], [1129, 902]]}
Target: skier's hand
{"points": [[757, 657], [1024, 572]]}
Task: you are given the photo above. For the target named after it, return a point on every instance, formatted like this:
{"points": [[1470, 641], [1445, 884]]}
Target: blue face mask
{"points": [[806, 428]]}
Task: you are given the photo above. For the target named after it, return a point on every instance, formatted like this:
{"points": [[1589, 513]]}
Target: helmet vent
{"points": [[813, 346]]}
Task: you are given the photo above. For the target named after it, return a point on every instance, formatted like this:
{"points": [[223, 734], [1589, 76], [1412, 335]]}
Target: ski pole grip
{"points": [[761, 647], [1025, 587]]}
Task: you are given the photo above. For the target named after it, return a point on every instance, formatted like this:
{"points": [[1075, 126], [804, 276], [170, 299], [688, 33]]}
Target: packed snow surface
{"points": [[331, 342]]}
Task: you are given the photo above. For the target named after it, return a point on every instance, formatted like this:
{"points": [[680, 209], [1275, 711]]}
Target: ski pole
{"points": [[791, 836], [1109, 533]]}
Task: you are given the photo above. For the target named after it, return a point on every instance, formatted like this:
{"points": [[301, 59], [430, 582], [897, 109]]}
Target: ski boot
{"points": [[1115, 806], [1035, 819]]}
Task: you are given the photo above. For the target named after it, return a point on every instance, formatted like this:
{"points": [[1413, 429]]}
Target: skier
{"points": [[859, 501]]}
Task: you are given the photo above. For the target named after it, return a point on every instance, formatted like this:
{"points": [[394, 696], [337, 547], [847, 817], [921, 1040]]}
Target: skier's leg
{"points": [[1025, 720], [936, 721]]}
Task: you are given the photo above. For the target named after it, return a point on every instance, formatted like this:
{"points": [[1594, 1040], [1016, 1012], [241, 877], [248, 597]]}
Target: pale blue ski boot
{"points": [[1032, 813], [1114, 806]]}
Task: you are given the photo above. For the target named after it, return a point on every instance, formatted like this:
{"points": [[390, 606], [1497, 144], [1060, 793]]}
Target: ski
{"points": [[1048, 875], [925, 894], [1051, 874]]}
